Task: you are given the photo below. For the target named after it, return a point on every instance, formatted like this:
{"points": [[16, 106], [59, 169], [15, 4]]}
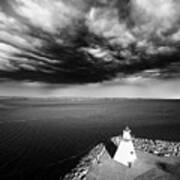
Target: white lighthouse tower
{"points": [[125, 153]]}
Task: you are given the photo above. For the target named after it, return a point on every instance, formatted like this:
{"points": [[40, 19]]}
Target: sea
{"points": [[44, 138]]}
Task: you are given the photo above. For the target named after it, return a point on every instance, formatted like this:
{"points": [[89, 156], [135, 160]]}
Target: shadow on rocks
{"points": [[173, 169], [110, 147]]}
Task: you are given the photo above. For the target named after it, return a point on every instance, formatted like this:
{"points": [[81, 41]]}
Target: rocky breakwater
{"points": [[157, 147], [81, 170]]}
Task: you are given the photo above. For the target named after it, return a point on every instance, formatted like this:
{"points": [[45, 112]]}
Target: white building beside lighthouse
{"points": [[125, 153]]}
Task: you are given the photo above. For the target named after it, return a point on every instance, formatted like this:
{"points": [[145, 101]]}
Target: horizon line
{"points": [[83, 97]]}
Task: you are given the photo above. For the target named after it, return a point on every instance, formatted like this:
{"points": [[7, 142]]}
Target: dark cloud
{"points": [[76, 42]]}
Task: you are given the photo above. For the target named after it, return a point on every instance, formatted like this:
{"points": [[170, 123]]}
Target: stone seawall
{"points": [[157, 147], [80, 171]]}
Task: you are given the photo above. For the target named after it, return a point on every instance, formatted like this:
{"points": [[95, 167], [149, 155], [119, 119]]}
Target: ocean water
{"points": [[45, 138]]}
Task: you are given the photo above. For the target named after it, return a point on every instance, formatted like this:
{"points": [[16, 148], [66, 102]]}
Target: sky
{"points": [[86, 48]]}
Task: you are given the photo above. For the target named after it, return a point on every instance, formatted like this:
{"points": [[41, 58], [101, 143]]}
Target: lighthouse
{"points": [[125, 153]]}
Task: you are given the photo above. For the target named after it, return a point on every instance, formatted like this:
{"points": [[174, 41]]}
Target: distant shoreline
{"points": [[85, 98]]}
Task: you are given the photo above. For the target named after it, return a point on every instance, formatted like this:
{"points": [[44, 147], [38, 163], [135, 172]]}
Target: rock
{"points": [[157, 147]]}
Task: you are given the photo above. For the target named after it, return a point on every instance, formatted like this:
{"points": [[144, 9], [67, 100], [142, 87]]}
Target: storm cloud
{"points": [[83, 41]]}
